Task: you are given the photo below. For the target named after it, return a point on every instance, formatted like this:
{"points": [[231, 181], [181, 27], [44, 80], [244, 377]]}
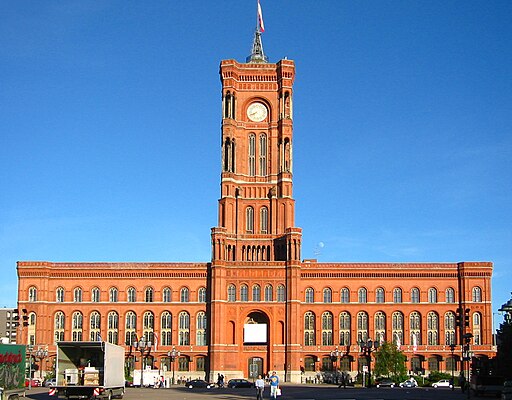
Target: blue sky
{"points": [[110, 129]]}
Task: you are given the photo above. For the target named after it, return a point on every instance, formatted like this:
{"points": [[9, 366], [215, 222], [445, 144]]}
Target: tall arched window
{"points": [[264, 220], [281, 294], [166, 328], [95, 326], [184, 295], [77, 326], [310, 295], [477, 329], [345, 329], [432, 295], [95, 295], [113, 295], [249, 220], [201, 295], [432, 328], [398, 328], [379, 295], [231, 293], [148, 326], [130, 328], [477, 295], [148, 295], [244, 293], [184, 329], [449, 328], [397, 295], [362, 326], [362, 295], [309, 329], [269, 295], [327, 339], [380, 326], [167, 295], [252, 154], [201, 329], [263, 154], [59, 326], [113, 327], [131, 295], [59, 294], [345, 295], [415, 295], [256, 293], [327, 295], [415, 327], [32, 294], [77, 295], [450, 295]]}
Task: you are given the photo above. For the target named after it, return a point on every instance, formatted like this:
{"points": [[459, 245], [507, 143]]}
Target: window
{"points": [[59, 293], [398, 328], [477, 329], [264, 220], [309, 363], [327, 329], [130, 328], [184, 329], [252, 154], [268, 293], [415, 327], [379, 295], [201, 329], [148, 295], [166, 328], [201, 295], [415, 295], [432, 328], [167, 295], [256, 293], [183, 364], [309, 329], [361, 295], [95, 295], [184, 295], [113, 295], [77, 295], [397, 295], [449, 328], [113, 328], [310, 295], [32, 294], [345, 295], [95, 326], [327, 295], [362, 326], [433, 364], [281, 294], [380, 327], [477, 295], [244, 293], [249, 220], [450, 295], [77, 326], [432, 295], [231, 293], [263, 155], [148, 326], [200, 364], [59, 325], [131, 295], [345, 329]]}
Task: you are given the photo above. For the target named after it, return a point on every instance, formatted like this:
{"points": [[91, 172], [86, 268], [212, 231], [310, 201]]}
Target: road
{"points": [[299, 392]]}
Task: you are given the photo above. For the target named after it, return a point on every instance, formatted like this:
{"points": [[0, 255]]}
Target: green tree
{"points": [[390, 362]]}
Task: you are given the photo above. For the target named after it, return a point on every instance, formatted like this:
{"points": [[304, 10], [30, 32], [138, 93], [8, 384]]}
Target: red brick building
{"points": [[257, 306]]}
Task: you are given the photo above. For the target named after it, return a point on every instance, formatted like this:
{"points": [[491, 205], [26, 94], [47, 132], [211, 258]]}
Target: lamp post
{"points": [[466, 349], [335, 356], [366, 347], [173, 355], [144, 346], [30, 348], [41, 354], [452, 349]]}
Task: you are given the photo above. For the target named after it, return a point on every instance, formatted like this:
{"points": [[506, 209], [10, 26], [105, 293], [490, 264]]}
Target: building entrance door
{"points": [[255, 367]]}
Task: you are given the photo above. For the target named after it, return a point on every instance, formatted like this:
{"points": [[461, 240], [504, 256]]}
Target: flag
{"points": [[260, 18]]}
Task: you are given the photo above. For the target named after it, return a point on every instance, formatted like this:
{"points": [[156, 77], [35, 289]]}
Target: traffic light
{"points": [[15, 317], [466, 317], [458, 317]]}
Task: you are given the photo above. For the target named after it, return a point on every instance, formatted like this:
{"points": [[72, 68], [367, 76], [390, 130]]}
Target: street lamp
{"points": [[466, 350], [144, 346], [30, 348], [173, 355], [41, 354], [335, 356], [366, 348], [452, 349]]}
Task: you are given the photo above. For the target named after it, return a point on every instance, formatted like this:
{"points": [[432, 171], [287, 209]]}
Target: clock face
{"points": [[257, 112]]}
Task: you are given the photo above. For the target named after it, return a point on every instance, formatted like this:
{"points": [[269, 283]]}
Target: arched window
{"points": [[184, 295], [449, 328], [263, 154], [252, 154], [148, 295], [327, 295], [166, 328], [415, 295], [95, 295], [231, 293], [244, 293], [95, 326], [77, 326], [415, 327], [256, 293], [249, 220], [264, 220], [77, 295], [362, 295], [32, 294], [281, 294], [450, 295], [59, 294], [432, 328], [59, 325], [130, 328], [432, 295], [477, 329], [362, 326], [398, 328], [477, 295], [345, 295], [131, 295], [148, 326], [309, 329], [379, 295], [201, 329], [310, 295], [269, 293], [184, 329], [167, 295], [345, 329], [380, 326], [113, 295], [397, 295], [113, 327], [201, 295], [327, 329]]}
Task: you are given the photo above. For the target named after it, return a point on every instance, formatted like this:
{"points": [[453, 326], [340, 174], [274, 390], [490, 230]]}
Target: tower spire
{"points": [[257, 54]]}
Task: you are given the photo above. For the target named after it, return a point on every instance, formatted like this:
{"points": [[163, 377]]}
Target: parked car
{"points": [[409, 383], [198, 383], [385, 382], [34, 382], [442, 383], [506, 392], [50, 382], [239, 383]]}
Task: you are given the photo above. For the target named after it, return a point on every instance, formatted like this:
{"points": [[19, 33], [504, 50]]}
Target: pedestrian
{"points": [[274, 385], [260, 386]]}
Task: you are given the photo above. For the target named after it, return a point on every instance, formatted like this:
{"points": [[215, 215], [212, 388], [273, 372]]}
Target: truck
{"points": [[89, 370], [12, 371]]}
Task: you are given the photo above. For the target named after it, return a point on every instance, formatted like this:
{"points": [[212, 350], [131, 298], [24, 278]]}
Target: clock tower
{"points": [[256, 247]]}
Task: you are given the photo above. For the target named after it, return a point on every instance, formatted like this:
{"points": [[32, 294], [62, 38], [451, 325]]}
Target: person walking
{"points": [[260, 386], [274, 385]]}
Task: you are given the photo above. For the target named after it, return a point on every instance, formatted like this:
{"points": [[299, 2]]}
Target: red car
{"points": [[33, 382]]}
